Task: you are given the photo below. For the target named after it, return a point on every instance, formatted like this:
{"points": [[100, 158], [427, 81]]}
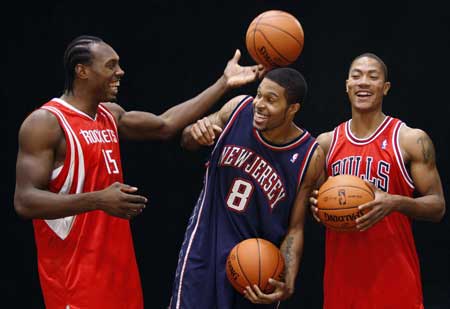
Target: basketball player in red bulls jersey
{"points": [[378, 266], [69, 177]]}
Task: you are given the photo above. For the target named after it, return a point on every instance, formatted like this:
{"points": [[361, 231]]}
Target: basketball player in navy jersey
{"points": [[257, 183], [69, 177], [378, 266]]}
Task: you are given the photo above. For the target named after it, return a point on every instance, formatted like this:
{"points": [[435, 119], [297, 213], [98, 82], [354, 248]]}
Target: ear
{"points": [[386, 87], [81, 71], [346, 85], [294, 108]]}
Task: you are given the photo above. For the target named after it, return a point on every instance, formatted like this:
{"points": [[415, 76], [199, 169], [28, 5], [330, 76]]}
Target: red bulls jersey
{"points": [[377, 268], [87, 260]]}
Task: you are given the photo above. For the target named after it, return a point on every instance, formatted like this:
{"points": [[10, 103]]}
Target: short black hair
{"points": [[292, 81], [376, 58], [78, 51]]}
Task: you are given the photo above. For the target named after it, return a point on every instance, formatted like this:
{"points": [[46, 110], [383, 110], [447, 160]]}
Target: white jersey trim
{"points": [[110, 116], [70, 106], [191, 239], [63, 226], [333, 145], [364, 141], [399, 156]]}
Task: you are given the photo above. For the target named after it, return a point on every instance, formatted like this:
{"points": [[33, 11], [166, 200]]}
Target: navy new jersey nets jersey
{"points": [[249, 190]]}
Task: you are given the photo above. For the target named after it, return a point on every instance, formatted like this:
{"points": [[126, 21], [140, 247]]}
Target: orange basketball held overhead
{"points": [[254, 261], [274, 39], [338, 201]]}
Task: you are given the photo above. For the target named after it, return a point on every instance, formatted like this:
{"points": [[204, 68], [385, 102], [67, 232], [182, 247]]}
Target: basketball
{"points": [[254, 261], [274, 39], [338, 201]]}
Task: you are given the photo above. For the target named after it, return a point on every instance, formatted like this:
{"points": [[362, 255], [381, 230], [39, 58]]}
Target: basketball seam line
{"points": [[275, 271], [282, 30], [254, 41], [259, 262], [268, 42], [242, 270], [350, 186], [342, 208]]}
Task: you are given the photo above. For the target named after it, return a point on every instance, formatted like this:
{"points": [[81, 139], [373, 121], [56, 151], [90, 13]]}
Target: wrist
{"points": [[93, 201], [222, 83]]}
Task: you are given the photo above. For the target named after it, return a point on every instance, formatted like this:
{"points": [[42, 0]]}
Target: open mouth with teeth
{"points": [[363, 94]]}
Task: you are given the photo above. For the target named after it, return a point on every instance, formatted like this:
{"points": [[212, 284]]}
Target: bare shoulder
{"points": [[416, 145], [40, 128], [115, 109], [324, 140]]}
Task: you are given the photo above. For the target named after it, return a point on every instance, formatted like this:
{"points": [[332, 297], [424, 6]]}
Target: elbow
{"points": [[21, 208], [440, 212]]}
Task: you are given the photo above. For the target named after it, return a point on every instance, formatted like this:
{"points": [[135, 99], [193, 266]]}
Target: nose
{"points": [[259, 103], [120, 72], [363, 81]]}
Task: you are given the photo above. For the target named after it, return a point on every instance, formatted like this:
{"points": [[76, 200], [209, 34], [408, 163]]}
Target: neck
{"points": [[81, 101], [282, 135], [364, 124]]}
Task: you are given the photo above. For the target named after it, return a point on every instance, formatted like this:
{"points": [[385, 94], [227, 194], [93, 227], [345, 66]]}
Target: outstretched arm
{"points": [[418, 150], [292, 245], [142, 125], [40, 139]]}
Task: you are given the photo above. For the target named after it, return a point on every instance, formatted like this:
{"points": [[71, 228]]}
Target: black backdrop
{"points": [[171, 50]]}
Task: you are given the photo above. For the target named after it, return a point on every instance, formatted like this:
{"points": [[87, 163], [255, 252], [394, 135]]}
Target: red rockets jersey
{"points": [[87, 260], [377, 268]]}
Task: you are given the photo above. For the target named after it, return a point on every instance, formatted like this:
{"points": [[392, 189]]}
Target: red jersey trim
{"points": [[233, 116], [364, 141], [399, 156], [305, 163], [191, 239], [302, 138]]}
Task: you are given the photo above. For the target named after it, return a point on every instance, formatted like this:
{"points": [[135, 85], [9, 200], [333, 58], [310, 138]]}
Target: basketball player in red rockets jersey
{"points": [[378, 267], [69, 177]]}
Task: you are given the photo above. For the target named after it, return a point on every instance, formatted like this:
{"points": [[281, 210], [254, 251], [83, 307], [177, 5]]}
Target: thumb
{"points": [[217, 129], [237, 55], [128, 189]]}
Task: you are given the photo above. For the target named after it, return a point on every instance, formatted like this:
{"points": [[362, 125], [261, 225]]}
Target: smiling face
{"points": [[270, 108], [366, 84], [103, 74]]}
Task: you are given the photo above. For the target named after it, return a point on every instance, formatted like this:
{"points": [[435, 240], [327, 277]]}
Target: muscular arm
{"points": [[292, 245], [204, 131], [419, 151], [39, 138], [143, 125]]}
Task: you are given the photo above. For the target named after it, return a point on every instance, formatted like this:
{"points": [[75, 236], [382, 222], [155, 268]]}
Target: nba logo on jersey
{"points": [[294, 157], [384, 144]]}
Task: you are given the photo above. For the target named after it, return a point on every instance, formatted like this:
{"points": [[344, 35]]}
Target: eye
{"points": [[258, 94]]}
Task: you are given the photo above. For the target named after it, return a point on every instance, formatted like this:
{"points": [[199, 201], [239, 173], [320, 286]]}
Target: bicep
{"points": [[421, 151], [39, 136]]}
